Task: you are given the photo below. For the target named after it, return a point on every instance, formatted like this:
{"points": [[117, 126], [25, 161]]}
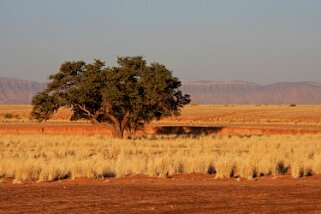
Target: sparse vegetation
{"points": [[45, 157], [123, 97], [241, 116], [11, 116], [48, 158]]}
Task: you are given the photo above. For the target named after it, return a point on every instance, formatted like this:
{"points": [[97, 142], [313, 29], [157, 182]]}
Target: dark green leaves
{"points": [[126, 96]]}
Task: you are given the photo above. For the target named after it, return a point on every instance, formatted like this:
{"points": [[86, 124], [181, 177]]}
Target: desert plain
{"points": [[211, 159]]}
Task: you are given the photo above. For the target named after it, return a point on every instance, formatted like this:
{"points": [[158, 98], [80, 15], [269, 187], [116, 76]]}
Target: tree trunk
{"points": [[119, 126], [117, 132]]}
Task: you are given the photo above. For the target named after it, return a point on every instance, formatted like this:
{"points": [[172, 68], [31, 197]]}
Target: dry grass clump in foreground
{"points": [[48, 158]]}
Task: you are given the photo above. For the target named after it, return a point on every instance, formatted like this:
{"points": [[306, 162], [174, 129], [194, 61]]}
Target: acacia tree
{"points": [[123, 97]]}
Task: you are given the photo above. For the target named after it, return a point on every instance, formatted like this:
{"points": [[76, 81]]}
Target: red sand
{"points": [[88, 129], [192, 193]]}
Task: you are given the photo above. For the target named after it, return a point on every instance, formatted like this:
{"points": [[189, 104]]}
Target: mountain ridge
{"points": [[15, 91], [241, 92]]}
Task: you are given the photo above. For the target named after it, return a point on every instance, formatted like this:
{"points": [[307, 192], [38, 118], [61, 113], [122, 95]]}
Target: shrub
{"points": [[10, 116]]}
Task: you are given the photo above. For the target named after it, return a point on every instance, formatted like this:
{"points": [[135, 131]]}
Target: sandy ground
{"points": [[193, 193], [88, 129], [199, 119]]}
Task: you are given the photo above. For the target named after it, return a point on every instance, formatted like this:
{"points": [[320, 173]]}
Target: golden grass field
{"points": [[47, 158], [42, 157]]}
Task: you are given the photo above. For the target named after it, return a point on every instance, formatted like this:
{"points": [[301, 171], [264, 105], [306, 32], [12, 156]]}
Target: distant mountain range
{"points": [[14, 91], [239, 92]]}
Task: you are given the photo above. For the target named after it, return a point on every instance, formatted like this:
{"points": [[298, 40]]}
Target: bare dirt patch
{"points": [[89, 129], [191, 193], [199, 119]]}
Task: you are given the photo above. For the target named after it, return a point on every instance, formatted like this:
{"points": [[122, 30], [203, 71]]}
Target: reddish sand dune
{"points": [[86, 129], [194, 193], [53, 129]]}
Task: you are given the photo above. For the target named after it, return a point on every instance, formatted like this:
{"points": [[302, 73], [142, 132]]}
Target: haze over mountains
{"points": [[240, 92], [14, 91]]}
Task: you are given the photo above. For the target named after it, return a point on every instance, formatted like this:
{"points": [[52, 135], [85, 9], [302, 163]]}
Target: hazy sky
{"points": [[251, 40]]}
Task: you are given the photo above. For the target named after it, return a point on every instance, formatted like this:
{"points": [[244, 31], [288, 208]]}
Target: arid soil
{"points": [[89, 129], [195, 119], [193, 193]]}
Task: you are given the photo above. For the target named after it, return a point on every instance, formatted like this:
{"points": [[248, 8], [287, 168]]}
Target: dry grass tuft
{"points": [[49, 158]]}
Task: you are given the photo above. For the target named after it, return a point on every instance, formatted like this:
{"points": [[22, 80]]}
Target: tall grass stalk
{"points": [[49, 158]]}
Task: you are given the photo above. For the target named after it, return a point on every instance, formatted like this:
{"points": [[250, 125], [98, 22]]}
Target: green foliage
{"points": [[126, 96]]}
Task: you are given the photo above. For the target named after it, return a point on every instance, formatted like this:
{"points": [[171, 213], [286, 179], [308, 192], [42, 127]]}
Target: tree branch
{"points": [[83, 108]]}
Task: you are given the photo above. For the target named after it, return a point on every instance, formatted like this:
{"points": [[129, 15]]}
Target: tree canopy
{"points": [[123, 97]]}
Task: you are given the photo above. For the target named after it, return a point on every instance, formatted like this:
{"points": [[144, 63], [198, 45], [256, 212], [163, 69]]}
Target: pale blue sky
{"points": [[250, 40]]}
